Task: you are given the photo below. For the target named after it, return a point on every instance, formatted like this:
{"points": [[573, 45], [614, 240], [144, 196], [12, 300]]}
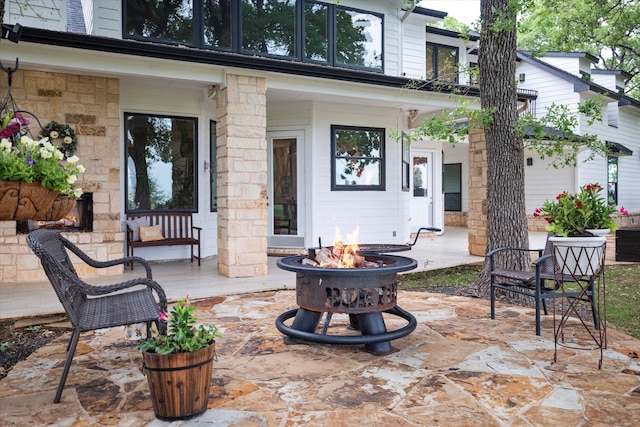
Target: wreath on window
{"points": [[64, 133]]}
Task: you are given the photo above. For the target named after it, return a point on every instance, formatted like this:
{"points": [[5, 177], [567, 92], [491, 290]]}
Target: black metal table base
{"points": [[375, 337]]}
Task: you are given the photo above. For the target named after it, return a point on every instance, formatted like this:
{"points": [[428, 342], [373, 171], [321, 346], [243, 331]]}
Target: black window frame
{"points": [[195, 183], [436, 73], [405, 166], [612, 180], [299, 34], [382, 163], [458, 195]]}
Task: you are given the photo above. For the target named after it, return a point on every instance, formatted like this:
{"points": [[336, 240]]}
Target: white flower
{"points": [[71, 179], [77, 192], [80, 169], [5, 145], [58, 154], [45, 154], [53, 134], [67, 140], [49, 146], [73, 159]]}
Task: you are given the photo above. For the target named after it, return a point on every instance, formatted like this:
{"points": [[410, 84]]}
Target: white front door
{"points": [[285, 184], [422, 190]]}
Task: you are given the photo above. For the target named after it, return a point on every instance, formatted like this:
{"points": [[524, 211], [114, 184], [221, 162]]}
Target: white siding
{"points": [[543, 182], [377, 214], [413, 49], [107, 18], [45, 14]]}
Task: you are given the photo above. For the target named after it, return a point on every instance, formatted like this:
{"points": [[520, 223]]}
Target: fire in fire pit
{"points": [[364, 293]]}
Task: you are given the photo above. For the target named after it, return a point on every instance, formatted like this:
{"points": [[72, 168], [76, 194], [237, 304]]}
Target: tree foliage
{"points": [[607, 29]]}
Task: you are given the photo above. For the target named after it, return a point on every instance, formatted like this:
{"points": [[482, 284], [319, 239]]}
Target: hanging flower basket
{"points": [[60, 207], [20, 201]]}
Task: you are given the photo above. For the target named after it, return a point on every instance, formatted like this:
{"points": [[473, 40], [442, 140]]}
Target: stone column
{"points": [[242, 177], [477, 216]]}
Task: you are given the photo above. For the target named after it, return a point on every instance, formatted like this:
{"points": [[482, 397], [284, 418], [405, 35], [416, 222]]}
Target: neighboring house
{"points": [[274, 126], [562, 78]]}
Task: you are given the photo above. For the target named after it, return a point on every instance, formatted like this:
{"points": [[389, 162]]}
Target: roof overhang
{"points": [[618, 150]]}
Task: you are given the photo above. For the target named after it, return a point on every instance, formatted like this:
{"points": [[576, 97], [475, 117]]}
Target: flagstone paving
{"points": [[457, 368]]}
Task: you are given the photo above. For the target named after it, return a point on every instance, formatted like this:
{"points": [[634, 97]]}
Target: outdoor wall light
{"points": [[12, 32], [529, 161], [521, 77]]}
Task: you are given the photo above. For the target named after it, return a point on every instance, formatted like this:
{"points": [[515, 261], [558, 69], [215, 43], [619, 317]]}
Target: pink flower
{"points": [[579, 204], [623, 211], [163, 316], [537, 212]]}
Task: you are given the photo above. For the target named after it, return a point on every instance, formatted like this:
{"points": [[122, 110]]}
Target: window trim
{"points": [[340, 187], [194, 209]]}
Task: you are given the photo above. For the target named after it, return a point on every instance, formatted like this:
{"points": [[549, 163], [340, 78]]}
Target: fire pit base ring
{"points": [[374, 336]]}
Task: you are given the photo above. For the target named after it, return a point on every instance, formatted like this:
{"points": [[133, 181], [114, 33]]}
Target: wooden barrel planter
{"points": [[179, 382]]}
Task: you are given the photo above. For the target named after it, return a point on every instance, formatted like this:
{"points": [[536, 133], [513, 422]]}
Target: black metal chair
{"points": [[91, 307], [534, 283]]}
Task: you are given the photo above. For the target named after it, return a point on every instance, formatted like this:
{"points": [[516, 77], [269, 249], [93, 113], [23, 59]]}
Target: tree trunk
{"points": [[506, 213]]}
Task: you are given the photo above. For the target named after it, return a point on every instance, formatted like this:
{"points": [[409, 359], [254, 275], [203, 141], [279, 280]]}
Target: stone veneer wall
{"points": [[477, 215], [242, 176], [455, 219], [91, 105]]}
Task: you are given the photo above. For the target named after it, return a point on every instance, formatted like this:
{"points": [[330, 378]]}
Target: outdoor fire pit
{"points": [[363, 293]]}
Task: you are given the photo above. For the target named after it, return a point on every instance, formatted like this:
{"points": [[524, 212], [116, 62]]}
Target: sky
{"points": [[465, 11]]}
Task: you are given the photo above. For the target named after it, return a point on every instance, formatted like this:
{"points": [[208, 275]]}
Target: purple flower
{"points": [[30, 161]]}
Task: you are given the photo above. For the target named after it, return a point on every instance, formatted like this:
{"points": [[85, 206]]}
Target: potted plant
{"points": [[178, 364], [581, 220]]}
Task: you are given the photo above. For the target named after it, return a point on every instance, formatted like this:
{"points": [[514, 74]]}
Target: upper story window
{"points": [[442, 63], [358, 158], [303, 30]]}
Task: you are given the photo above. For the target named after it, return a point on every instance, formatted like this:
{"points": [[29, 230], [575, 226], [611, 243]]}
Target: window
{"points": [[612, 180], [160, 20], [213, 169], [269, 27], [406, 162], [160, 163], [442, 63], [358, 158], [358, 38], [304, 30], [452, 184], [218, 24]]}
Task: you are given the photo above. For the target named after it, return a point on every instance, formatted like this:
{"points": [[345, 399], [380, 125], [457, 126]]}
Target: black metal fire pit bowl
{"points": [[362, 293]]}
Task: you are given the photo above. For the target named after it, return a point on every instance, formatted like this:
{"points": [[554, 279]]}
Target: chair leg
{"points": [[493, 299], [71, 349]]}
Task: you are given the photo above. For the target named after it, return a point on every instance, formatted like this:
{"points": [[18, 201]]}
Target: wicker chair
{"points": [[90, 307], [541, 283]]}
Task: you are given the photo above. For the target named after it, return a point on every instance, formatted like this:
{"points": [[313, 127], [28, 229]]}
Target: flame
{"points": [[347, 255]]}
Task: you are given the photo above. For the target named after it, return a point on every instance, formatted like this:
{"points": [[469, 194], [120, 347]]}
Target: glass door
{"points": [[284, 191], [422, 187]]}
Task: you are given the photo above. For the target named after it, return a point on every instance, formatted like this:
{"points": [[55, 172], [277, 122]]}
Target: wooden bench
{"points": [[177, 229]]}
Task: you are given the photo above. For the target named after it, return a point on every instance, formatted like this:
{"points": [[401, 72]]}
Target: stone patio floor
{"points": [[458, 368]]}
